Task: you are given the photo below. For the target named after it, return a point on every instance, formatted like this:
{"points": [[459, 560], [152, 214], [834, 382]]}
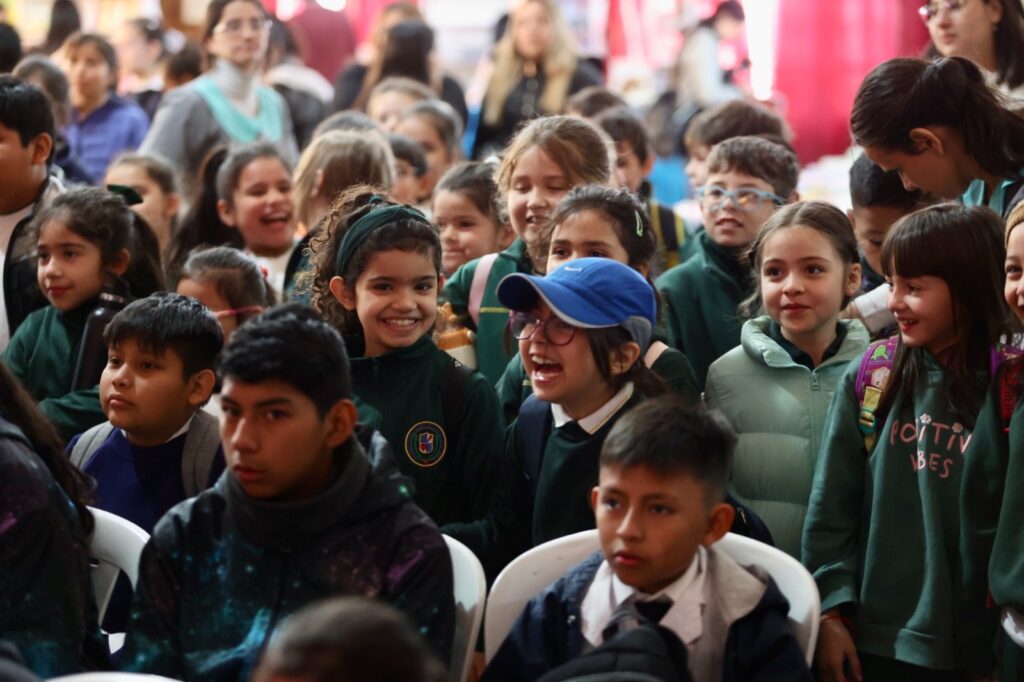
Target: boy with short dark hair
{"points": [[660, 508], [725, 121], [591, 101], [309, 508], [749, 178]]}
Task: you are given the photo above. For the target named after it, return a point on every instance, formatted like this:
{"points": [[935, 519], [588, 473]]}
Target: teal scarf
{"points": [[268, 124]]}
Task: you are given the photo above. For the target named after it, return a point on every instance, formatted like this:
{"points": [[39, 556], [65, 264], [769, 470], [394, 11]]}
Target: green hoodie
{"points": [[883, 531], [42, 355], [492, 349], [454, 466], [778, 408], [701, 297]]}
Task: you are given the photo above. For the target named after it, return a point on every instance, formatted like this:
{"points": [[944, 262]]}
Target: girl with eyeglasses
{"points": [[228, 105], [943, 130]]}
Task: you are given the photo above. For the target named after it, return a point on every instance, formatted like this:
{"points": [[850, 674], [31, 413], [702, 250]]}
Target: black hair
{"points": [[407, 50], [348, 119], [64, 21], [903, 94], [10, 47], [734, 119], [870, 186], [964, 247], [759, 158], [593, 100], [1009, 45], [669, 437], [351, 638], [409, 150], [475, 181], [729, 8], [51, 80], [145, 273], [215, 11], [604, 342], [25, 110], [169, 321], [291, 344], [281, 37], [185, 64], [103, 46], [22, 410], [443, 118], [156, 168], [625, 127], [234, 275], [237, 160]]}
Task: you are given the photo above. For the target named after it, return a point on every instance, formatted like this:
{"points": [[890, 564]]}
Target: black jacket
{"points": [[21, 287]]}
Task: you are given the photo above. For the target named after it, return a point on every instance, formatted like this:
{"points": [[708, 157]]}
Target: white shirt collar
{"points": [[594, 421], [177, 433]]}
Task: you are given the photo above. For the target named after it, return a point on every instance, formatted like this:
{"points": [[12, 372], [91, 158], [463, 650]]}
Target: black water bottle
{"points": [[92, 351]]}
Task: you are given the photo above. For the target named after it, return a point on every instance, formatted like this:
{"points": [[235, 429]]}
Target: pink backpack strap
{"points": [[872, 378], [479, 285]]}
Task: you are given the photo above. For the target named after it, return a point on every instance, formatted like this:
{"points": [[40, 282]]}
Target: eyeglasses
{"points": [[236, 25], [713, 198], [557, 332], [932, 9]]}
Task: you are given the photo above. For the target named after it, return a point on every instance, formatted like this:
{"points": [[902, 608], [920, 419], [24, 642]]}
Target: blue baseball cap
{"points": [[591, 293]]}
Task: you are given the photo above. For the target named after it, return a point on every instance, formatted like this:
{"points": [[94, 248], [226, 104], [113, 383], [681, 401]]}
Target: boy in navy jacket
{"points": [[660, 508]]}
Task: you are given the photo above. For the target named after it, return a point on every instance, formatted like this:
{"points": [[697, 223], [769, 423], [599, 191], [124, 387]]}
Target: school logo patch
{"points": [[425, 444]]}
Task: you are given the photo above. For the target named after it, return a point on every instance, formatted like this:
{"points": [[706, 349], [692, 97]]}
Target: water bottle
{"points": [[92, 351]]}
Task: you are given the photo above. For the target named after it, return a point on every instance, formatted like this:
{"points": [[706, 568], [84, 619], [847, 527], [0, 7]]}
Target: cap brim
{"points": [[519, 291]]}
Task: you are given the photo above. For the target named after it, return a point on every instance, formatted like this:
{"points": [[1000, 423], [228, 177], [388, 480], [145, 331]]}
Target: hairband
{"points": [[639, 224], [376, 217]]}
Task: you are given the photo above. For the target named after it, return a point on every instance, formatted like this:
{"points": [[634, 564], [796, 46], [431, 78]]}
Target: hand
{"points": [[834, 651]]}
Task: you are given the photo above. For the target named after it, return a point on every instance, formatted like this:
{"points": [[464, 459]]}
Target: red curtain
{"points": [[825, 48]]}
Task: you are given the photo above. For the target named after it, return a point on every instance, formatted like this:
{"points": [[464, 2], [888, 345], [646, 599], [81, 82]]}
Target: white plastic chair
{"points": [[112, 677], [116, 545], [470, 597], [534, 570]]}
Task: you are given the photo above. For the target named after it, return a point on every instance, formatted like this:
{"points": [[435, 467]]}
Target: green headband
{"points": [[376, 217]]}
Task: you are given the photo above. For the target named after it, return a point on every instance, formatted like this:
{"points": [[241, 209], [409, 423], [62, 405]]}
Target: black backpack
{"points": [[648, 653]]}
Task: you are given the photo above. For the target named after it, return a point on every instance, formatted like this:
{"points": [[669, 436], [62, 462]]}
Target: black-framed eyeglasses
{"points": [[932, 9], [713, 198], [557, 332]]}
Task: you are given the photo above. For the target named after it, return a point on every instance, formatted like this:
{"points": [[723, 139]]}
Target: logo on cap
{"points": [[425, 443]]}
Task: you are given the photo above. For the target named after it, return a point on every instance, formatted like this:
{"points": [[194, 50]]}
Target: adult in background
{"points": [[64, 22], [10, 48], [307, 93], [141, 52], [701, 82]]}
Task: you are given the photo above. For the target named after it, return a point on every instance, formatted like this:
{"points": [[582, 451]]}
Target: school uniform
{"points": [[223, 569], [42, 355], [777, 402], [452, 459], [731, 619], [119, 125], [1002, 199], [701, 297], [494, 346], [883, 533], [47, 609]]}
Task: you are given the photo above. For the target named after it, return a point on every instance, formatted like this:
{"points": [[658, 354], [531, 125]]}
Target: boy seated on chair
{"points": [[659, 506], [309, 508]]}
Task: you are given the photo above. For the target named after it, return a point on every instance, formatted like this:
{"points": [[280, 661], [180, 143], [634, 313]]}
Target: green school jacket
{"points": [[492, 350], [883, 530], [454, 467], [701, 297], [41, 354], [778, 409]]}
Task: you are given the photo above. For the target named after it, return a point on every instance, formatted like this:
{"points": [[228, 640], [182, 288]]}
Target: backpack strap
{"points": [[201, 444], [479, 285], [88, 443], [1009, 379], [533, 426], [453, 388], [872, 378]]}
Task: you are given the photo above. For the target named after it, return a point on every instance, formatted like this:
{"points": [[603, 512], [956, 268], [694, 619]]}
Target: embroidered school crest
{"points": [[425, 444]]}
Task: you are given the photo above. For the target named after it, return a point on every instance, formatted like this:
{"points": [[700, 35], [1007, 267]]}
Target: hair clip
{"points": [[639, 224]]}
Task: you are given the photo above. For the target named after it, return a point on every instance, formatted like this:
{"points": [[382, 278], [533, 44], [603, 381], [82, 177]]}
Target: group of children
{"points": [[282, 454]]}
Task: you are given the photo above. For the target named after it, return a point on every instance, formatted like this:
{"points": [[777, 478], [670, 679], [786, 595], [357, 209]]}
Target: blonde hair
{"points": [[558, 64], [1013, 220], [343, 158]]}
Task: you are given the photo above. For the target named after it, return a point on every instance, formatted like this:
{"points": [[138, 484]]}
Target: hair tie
{"points": [[639, 223], [376, 217]]}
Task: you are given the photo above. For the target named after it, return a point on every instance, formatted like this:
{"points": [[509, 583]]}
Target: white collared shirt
{"points": [[177, 433], [594, 421], [606, 593]]}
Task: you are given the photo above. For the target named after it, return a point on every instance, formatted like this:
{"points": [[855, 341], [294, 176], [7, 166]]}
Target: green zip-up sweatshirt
{"points": [[42, 355], [883, 530], [454, 466], [701, 297], [492, 350], [778, 408]]}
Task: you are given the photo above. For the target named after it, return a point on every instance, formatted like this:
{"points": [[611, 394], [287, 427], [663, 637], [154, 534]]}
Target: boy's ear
{"points": [[225, 213], [342, 293], [119, 265], [624, 357], [594, 492], [924, 139], [42, 145], [720, 518], [853, 275], [201, 387], [852, 215], [341, 422]]}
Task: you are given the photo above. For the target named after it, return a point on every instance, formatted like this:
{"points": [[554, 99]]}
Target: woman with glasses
{"points": [[988, 32], [227, 105]]}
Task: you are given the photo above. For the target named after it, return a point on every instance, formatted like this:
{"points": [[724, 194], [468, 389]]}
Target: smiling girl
{"points": [[467, 215]]}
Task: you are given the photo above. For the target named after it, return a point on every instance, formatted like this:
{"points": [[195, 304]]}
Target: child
{"points": [[153, 179], [309, 508], [467, 214], [438, 129], [545, 160], [84, 242], [351, 639], [775, 388], [749, 178], [26, 187], [201, 224], [377, 272], [229, 283], [633, 164], [943, 130], [410, 169], [597, 221], [903, 426], [658, 503], [392, 96], [582, 332], [254, 190], [591, 101]]}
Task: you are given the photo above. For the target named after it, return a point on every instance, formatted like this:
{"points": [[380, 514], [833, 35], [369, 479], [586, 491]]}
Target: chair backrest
{"points": [[116, 545], [470, 597], [534, 570], [112, 677], [525, 577]]}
